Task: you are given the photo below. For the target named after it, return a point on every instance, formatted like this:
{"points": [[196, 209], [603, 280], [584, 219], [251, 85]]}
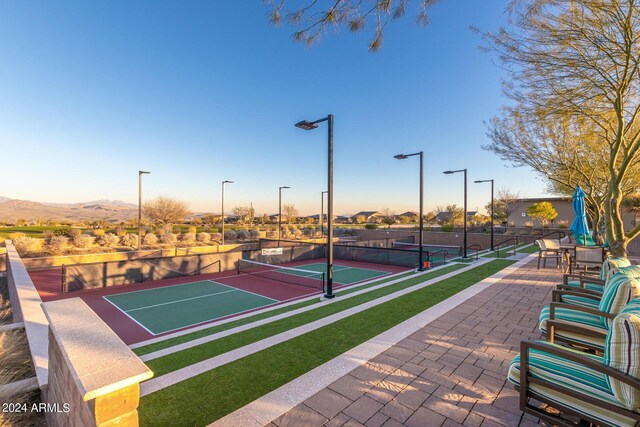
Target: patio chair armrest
{"points": [[592, 281], [589, 273], [578, 358], [554, 305], [554, 326], [569, 276], [556, 294], [582, 291]]}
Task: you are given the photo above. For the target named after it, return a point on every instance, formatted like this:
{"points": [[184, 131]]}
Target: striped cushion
{"points": [[573, 376], [622, 352], [631, 271], [612, 263], [580, 300], [619, 291], [586, 320]]}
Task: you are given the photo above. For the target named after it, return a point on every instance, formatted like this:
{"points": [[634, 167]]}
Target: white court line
{"points": [[182, 300], [243, 290], [127, 314]]}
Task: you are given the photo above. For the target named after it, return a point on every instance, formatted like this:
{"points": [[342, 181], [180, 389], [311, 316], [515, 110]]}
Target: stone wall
{"points": [[86, 388]]}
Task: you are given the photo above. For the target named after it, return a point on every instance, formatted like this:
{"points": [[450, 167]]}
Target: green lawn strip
{"points": [[180, 359], [210, 396], [219, 328], [529, 249]]}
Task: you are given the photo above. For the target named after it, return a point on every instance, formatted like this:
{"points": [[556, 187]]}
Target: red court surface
{"points": [[48, 284]]}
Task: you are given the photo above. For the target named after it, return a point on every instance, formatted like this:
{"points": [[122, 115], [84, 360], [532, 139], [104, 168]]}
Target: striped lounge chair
{"points": [[588, 297], [586, 326], [588, 280], [602, 390]]}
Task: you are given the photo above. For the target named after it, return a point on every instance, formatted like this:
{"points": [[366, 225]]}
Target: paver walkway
{"points": [[450, 373]]}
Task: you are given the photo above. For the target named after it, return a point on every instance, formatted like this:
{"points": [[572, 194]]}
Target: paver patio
{"points": [[450, 373]]}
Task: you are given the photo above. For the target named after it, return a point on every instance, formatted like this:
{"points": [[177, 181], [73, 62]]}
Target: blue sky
{"points": [[199, 92]]}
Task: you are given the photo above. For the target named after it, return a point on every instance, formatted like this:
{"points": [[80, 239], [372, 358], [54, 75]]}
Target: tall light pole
{"points": [[140, 173], [420, 241], [222, 207], [322, 211], [280, 211], [464, 249], [492, 208], [307, 125]]}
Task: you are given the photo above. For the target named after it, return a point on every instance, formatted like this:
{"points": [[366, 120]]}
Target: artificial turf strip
{"points": [[210, 396], [529, 250], [219, 328], [190, 356]]}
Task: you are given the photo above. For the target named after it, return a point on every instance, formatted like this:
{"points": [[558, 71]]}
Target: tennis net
{"points": [[295, 276]]}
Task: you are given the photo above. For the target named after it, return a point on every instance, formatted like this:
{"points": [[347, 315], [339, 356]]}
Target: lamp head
{"points": [[306, 125], [284, 186], [400, 156], [142, 172], [227, 182], [447, 172]]}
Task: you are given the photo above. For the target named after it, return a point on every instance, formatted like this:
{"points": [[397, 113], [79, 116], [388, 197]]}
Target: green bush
{"points": [[447, 228], [370, 226]]}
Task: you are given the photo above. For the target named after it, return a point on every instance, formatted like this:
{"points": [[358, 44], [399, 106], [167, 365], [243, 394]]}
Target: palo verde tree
{"points": [[543, 212], [311, 18], [577, 64]]}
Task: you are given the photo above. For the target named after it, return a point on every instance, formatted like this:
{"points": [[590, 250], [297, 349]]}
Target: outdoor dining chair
{"points": [[548, 249], [587, 326], [602, 390], [585, 257]]}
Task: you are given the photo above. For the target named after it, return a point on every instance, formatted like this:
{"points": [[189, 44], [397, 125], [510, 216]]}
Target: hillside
{"points": [[12, 210]]}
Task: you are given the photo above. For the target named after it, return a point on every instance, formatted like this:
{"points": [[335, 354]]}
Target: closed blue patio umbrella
{"points": [[580, 227]]}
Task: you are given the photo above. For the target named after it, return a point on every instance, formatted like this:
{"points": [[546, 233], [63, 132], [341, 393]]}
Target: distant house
{"points": [[369, 216]]}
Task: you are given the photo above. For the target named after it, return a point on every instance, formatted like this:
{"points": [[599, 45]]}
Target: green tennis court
{"points": [[342, 275], [173, 307]]}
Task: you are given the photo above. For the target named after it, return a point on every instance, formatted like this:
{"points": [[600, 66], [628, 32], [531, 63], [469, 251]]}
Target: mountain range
{"points": [[12, 210]]}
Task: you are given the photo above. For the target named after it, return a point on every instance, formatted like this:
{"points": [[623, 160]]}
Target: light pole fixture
{"points": [[307, 125], [280, 211], [492, 207], [322, 212], [222, 207], [140, 173], [464, 249], [421, 198]]}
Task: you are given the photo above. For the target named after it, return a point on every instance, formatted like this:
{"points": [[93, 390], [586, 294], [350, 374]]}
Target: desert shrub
{"points": [[83, 241], [563, 224], [47, 234], [216, 237], [74, 232], [109, 240], [168, 238], [193, 229], [254, 234], [150, 239], [98, 232], [203, 237], [27, 246], [57, 244], [296, 233], [188, 237], [230, 235], [242, 235], [370, 226], [121, 231], [130, 240], [447, 228], [528, 224]]}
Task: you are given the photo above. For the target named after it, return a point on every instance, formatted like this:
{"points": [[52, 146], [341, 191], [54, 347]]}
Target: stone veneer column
{"points": [[93, 376]]}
